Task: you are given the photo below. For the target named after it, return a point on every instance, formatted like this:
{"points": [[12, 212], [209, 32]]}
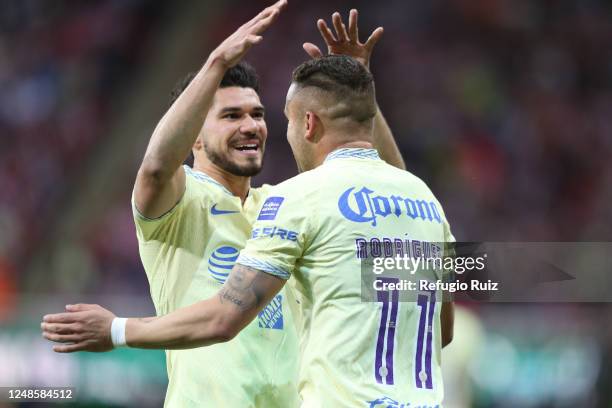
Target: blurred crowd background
{"points": [[504, 108]]}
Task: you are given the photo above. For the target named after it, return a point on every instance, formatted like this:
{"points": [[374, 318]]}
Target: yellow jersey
{"points": [[311, 230], [187, 254]]}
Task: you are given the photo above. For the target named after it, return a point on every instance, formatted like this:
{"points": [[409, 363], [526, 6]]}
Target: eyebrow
{"points": [[232, 109]]}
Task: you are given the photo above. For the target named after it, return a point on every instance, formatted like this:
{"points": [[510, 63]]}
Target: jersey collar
{"points": [[353, 153], [199, 175]]}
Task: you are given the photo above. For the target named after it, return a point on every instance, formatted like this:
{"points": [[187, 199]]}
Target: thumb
{"points": [[312, 50]]}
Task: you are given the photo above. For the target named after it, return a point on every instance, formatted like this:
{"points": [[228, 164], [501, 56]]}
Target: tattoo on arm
{"points": [[244, 288]]}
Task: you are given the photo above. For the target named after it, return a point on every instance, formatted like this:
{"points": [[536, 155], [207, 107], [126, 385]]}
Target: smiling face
{"points": [[234, 133]]}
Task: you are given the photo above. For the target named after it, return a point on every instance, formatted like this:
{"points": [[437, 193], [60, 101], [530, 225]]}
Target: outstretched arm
{"points": [[346, 42], [161, 180], [217, 319]]}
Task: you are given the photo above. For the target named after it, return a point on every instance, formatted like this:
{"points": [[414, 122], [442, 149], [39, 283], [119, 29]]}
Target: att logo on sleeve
{"points": [[365, 205], [221, 262]]}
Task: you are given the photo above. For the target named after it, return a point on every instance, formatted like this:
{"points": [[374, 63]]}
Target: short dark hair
{"points": [[343, 77], [242, 75]]}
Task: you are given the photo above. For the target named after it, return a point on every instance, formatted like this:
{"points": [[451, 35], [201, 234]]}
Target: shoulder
{"points": [[304, 180], [261, 191], [202, 185], [297, 188]]}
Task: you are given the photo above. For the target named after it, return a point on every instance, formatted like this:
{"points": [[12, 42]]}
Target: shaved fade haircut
{"points": [[345, 80]]}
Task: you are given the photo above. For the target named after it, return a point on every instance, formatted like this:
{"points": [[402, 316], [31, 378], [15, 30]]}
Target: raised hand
{"points": [[233, 49], [345, 42], [85, 327]]}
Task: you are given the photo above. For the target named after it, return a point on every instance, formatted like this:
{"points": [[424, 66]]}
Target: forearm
{"points": [[385, 142], [210, 321], [175, 134], [193, 326]]}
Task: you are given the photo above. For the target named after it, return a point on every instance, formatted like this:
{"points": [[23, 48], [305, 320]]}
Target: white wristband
{"points": [[118, 332]]}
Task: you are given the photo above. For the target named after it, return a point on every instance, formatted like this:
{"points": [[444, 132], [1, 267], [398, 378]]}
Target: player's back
{"points": [[357, 353]]}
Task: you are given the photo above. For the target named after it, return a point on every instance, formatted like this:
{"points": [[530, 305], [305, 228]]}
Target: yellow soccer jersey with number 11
{"points": [[187, 255], [311, 227]]}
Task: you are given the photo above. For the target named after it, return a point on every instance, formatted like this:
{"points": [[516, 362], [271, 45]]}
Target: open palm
{"points": [[345, 42]]}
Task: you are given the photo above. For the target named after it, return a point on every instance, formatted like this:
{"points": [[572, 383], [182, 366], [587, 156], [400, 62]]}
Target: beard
{"points": [[248, 170]]}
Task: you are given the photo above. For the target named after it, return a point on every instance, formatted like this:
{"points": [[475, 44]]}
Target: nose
{"points": [[249, 125]]}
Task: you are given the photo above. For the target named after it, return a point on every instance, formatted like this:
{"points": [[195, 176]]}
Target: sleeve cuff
{"points": [[263, 266]]}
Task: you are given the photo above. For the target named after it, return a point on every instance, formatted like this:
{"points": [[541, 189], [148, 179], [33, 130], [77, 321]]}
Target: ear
{"points": [[198, 145], [313, 127]]}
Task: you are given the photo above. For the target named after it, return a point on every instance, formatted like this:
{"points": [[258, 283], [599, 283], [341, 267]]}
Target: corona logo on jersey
{"points": [[365, 205], [221, 262]]}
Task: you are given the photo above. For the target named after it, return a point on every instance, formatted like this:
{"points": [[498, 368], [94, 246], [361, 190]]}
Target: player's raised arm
{"points": [[161, 180], [346, 42], [217, 319]]}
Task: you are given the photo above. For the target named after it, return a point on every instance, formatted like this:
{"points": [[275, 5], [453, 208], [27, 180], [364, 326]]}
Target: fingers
{"points": [[373, 39], [266, 13], [353, 27], [60, 328], [70, 348], [63, 338], [312, 50], [263, 24], [326, 33], [70, 317], [341, 33]]}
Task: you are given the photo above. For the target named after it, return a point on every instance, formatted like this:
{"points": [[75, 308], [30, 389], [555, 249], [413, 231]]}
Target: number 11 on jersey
{"points": [[383, 362]]}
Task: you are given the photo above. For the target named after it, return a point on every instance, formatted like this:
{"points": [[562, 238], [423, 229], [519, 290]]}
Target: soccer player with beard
{"points": [[191, 222]]}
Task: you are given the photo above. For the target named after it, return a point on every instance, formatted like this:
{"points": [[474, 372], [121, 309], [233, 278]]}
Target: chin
{"points": [[249, 169]]}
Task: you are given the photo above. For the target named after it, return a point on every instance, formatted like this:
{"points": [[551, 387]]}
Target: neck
{"points": [[237, 185], [355, 143]]}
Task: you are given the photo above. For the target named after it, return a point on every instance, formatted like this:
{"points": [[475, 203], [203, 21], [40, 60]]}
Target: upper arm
{"points": [[385, 142], [281, 232], [244, 294], [155, 195]]}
